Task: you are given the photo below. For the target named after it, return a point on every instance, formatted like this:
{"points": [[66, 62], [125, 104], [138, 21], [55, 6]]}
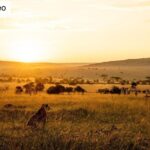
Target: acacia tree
{"points": [[134, 85], [79, 89], [39, 87]]}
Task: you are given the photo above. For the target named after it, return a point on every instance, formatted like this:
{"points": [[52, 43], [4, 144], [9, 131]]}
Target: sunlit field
{"points": [[75, 75], [76, 121]]}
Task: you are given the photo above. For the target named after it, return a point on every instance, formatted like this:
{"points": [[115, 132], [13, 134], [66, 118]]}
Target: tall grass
{"points": [[86, 122]]}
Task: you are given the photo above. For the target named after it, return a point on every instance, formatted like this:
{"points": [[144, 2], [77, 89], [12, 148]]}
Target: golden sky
{"points": [[75, 30]]}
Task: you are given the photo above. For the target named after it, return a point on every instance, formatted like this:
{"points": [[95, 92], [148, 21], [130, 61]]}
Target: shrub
{"points": [[134, 84], [115, 90], [103, 91], [19, 90], [69, 89], [79, 89], [56, 89], [39, 87]]}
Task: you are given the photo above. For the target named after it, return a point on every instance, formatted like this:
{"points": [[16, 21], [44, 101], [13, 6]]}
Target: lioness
{"points": [[39, 117]]}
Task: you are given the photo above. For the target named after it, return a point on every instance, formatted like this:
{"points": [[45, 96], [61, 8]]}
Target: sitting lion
{"points": [[39, 117]]}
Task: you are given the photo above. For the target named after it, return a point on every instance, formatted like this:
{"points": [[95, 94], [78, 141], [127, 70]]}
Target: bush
{"points": [[115, 90], [134, 84], [29, 87], [39, 87], [79, 89], [56, 89], [19, 90], [103, 91], [69, 89]]}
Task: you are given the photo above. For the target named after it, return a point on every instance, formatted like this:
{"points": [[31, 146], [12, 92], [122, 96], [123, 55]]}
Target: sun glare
{"points": [[26, 51]]}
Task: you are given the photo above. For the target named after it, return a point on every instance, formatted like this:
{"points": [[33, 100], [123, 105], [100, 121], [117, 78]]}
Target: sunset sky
{"points": [[75, 30]]}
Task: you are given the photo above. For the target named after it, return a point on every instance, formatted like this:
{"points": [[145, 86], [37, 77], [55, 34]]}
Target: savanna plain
{"points": [[75, 121]]}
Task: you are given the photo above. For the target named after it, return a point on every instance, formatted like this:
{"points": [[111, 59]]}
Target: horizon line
{"points": [[48, 62]]}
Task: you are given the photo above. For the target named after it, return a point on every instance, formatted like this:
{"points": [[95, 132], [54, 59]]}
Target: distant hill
{"points": [[37, 64], [39, 69], [126, 69], [129, 62]]}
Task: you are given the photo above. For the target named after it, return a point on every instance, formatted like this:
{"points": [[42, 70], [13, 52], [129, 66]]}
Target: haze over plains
{"points": [[75, 30]]}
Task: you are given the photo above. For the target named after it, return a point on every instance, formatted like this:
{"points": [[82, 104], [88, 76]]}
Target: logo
{"points": [[5, 8], [2, 8]]}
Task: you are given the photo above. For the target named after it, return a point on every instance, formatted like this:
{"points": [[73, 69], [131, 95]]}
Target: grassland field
{"points": [[76, 122]]}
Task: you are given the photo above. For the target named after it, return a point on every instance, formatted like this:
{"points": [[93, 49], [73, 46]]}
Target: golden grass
{"points": [[89, 121]]}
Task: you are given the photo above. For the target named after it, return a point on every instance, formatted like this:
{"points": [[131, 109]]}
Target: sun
{"points": [[26, 55], [26, 51]]}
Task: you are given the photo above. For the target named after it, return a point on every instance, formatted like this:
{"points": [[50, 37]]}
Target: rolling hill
{"points": [[129, 62], [127, 69]]}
